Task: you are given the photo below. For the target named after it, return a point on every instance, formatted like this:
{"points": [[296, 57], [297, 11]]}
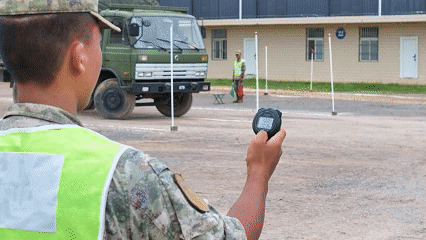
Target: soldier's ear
{"points": [[79, 57]]}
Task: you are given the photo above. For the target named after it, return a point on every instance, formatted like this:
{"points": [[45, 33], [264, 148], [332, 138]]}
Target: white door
{"points": [[409, 57], [250, 55]]}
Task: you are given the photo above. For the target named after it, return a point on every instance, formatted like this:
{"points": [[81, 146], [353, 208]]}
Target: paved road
{"points": [[309, 104]]}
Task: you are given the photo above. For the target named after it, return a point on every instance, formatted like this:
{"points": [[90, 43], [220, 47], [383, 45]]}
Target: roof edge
{"points": [[316, 20]]}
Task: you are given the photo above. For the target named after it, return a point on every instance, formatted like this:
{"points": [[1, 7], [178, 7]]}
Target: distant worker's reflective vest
{"points": [[54, 182], [237, 67]]}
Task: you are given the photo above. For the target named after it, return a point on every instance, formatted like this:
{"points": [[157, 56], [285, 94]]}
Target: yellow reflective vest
{"points": [[54, 182], [237, 67]]}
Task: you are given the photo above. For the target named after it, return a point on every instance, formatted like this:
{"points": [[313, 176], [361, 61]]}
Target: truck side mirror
{"points": [[203, 31], [134, 30]]}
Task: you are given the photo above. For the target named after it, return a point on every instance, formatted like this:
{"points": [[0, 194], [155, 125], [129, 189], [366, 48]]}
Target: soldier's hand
{"points": [[263, 155]]}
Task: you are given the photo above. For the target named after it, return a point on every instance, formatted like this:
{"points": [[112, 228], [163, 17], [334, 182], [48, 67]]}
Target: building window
{"points": [[219, 50], [315, 42], [369, 44]]}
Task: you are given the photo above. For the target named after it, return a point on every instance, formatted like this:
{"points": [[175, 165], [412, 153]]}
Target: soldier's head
{"points": [[238, 54], [35, 35], [41, 38], [33, 46]]}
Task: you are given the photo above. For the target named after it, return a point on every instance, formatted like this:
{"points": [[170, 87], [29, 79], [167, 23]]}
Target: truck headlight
{"points": [[143, 58]]}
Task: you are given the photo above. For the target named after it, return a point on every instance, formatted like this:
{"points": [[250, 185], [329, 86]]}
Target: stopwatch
{"points": [[268, 120]]}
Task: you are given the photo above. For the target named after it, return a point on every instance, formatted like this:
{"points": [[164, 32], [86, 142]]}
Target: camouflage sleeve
{"points": [[145, 203]]}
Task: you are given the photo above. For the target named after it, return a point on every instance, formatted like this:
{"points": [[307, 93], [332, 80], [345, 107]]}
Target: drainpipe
{"points": [[380, 8]]}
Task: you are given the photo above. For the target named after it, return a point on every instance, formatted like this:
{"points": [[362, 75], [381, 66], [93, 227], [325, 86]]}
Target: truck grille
{"points": [[162, 71]]}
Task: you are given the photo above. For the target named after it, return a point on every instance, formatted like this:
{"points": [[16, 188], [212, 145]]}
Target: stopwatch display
{"points": [[268, 120]]}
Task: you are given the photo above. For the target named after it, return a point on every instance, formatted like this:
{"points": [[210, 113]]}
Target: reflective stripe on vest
{"points": [[237, 67], [81, 161]]}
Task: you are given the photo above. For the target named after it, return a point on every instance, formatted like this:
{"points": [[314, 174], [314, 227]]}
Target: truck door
{"points": [[116, 50]]}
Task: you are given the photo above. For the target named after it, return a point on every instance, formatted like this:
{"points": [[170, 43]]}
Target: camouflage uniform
{"points": [[144, 202]]}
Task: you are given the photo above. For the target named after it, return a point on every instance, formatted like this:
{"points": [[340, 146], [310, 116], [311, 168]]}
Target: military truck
{"points": [[136, 61]]}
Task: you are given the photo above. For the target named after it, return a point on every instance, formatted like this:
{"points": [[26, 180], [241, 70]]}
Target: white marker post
{"points": [[257, 74], [312, 67], [266, 69], [173, 127], [241, 10], [331, 74]]}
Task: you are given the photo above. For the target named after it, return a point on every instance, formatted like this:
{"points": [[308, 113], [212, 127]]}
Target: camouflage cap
{"points": [[26, 7]]}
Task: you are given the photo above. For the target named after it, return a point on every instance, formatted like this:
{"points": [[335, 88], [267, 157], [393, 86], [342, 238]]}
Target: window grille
{"points": [[369, 44], [369, 32], [315, 32], [219, 44]]}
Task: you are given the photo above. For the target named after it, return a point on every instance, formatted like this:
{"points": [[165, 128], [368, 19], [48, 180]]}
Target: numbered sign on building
{"points": [[341, 34]]}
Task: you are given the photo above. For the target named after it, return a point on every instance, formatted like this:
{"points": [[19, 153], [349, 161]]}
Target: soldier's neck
{"points": [[52, 95]]}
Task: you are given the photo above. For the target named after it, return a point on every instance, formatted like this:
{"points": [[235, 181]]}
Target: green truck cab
{"points": [[136, 61]]}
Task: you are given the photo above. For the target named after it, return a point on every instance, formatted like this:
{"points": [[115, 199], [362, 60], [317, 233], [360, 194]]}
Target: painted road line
{"points": [[287, 96], [224, 109], [283, 111], [316, 113], [127, 128], [382, 95], [7, 99], [224, 120]]}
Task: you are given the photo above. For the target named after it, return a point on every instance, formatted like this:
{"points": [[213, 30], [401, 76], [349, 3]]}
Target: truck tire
{"points": [[182, 104], [91, 104], [113, 102], [6, 76]]}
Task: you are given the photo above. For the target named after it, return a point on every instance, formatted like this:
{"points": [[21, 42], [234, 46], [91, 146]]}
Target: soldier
{"points": [[238, 76], [59, 180]]}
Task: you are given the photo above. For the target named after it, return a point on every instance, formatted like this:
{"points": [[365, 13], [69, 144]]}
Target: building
{"points": [[375, 41]]}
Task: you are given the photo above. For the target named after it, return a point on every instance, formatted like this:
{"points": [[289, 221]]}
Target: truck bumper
{"points": [[165, 87]]}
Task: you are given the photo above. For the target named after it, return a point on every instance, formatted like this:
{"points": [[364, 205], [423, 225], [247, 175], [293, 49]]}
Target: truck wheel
{"points": [[6, 76], [113, 102], [182, 104], [91, 104]]}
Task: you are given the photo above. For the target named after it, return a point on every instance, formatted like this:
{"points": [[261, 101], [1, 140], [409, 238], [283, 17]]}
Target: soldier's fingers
{"points": [[278, 137], [261, 136]]}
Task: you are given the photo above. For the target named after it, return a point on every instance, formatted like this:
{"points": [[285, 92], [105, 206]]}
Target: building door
{"points": [[250, 55], [409, 57]]}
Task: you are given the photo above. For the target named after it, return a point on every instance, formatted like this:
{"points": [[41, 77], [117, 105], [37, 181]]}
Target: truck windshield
{"points": [[156, 33]]}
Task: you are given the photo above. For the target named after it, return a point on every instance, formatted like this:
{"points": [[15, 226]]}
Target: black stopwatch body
{"points": [[268, 120]]}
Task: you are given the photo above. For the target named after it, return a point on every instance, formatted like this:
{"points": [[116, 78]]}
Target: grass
{"points": [[372, 88]]}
